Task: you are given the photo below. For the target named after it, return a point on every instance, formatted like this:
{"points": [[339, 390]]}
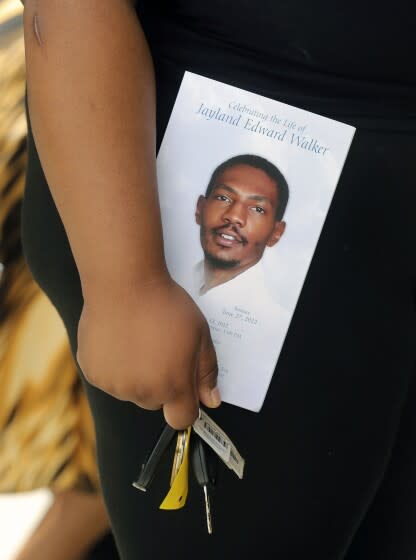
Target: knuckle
{"points": [[210, 375], [146, 397], [143, 392]]}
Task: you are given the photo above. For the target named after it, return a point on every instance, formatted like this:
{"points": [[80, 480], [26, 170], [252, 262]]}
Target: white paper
{"points": [[248, 306], [219, 441], [20, 515]]}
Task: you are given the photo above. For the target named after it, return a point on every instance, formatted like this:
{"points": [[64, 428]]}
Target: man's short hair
{"points": [[257, 162]]}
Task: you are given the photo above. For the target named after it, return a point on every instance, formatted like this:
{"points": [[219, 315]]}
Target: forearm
{"points": [[92, 107]]}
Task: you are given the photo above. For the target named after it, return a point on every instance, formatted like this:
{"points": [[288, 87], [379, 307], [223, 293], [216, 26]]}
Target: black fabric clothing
{"points": [[331, 457], [353, 62]]}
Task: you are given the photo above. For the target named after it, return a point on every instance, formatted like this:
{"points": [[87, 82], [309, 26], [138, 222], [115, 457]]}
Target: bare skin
{"points": [[91, 100], [73, 524]]}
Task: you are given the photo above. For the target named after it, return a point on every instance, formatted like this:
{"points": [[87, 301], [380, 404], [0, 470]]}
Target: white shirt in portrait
{"points": [[248, 327]]}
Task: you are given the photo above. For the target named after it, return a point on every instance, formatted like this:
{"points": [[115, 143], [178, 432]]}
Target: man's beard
{"points": [[220, 263]]}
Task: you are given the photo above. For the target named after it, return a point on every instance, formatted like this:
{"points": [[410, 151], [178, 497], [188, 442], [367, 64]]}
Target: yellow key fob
{"points": [[176, 497]]}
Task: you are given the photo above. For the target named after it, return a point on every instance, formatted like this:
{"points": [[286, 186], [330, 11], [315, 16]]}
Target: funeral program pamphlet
{"points": [[245, 183]]}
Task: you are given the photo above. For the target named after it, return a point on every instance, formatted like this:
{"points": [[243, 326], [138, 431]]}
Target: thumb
{"points": [[207, 375]]}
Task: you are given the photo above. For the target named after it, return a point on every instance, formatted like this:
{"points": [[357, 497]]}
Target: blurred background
{"points": [[50, 502]]}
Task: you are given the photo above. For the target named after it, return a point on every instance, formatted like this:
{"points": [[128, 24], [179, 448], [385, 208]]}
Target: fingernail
{"points": [[215, 397]]}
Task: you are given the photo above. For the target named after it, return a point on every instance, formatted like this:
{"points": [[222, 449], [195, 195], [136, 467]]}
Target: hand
{"points": [[151, 347]]}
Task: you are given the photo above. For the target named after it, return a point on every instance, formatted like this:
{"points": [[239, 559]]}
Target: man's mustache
{"points": [[231, 230]]}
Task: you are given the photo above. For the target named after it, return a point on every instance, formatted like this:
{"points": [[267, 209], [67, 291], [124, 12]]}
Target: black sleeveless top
{"points": [[353, 61]]}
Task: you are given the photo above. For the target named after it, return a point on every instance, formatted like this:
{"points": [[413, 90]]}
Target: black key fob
{"points": [[204, 462], [149, 466]]}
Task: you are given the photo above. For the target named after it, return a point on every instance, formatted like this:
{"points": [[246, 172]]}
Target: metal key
{"points": [[202, 474], [208, 509], [178, 457]]}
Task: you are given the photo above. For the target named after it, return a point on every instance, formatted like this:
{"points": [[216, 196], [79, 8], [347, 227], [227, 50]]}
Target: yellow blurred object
{"points": [[9, 9], [46, 431]]}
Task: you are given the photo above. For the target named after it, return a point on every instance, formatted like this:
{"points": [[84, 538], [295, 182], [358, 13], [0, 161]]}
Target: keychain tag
{"points": [[218, 440], [176, 497]]}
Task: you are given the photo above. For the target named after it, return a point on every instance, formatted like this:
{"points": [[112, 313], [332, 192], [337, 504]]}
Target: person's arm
{"points": [[91, 98]]}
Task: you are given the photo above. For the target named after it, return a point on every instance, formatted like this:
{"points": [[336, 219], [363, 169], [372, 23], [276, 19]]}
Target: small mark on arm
{"points": [[36, 28]]}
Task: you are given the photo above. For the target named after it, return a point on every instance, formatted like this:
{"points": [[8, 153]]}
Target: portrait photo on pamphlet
{"points": [[245, 183]]}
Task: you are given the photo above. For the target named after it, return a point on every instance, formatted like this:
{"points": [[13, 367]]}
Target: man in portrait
{"points": [[239, 216]]}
